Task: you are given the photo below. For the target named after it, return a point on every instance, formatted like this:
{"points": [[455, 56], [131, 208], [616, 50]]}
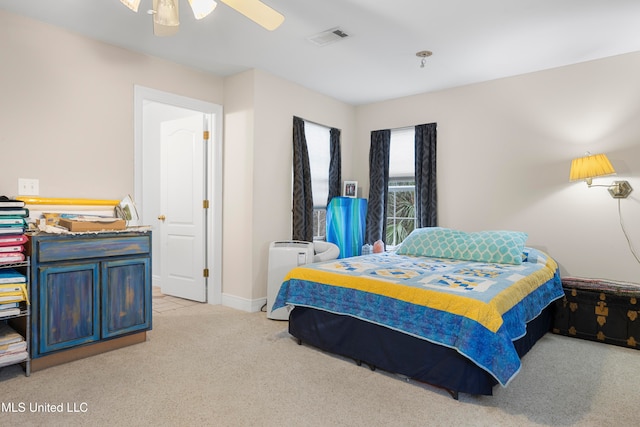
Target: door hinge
{"points": [[205, 272], [205, 135], [205, 204]]}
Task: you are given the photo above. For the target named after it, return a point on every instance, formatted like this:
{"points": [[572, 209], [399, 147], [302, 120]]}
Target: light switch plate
{"points": [[28, 187]]}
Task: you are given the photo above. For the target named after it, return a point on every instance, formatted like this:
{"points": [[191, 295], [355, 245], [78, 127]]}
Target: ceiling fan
{"points": [[166, 13]]}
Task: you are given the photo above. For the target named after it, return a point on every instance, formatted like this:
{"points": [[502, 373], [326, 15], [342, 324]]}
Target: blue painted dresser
{"points": [[90, 293]]}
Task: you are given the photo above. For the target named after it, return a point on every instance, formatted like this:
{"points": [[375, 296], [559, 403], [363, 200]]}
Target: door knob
{"points": [[162, 217]]}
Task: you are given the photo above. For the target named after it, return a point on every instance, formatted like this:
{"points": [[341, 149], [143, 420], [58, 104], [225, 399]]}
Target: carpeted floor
{"points": [[212, 365]]}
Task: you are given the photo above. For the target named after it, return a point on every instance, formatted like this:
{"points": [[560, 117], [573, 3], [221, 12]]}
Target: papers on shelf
{"points": [[8, 335], [6, 312]]}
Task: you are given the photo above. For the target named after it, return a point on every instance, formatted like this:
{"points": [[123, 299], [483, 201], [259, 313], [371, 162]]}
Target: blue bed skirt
{"points": [[392, 351]]}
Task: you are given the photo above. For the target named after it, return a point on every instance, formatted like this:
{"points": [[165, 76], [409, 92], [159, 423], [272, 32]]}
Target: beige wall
{"points": [[505, 149], [259, 110], [66, 108], [277, 101], [237, 203]]}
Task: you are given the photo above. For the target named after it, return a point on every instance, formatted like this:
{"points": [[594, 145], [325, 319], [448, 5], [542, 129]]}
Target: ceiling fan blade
{"points": [[166, 19], [258, 12], [131, 4], [202, 8]]}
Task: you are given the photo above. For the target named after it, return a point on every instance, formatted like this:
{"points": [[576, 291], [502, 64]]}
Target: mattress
{"points": [[478, 309]]}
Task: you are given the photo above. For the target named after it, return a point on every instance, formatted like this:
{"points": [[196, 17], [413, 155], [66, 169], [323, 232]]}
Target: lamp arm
{"points": [[617, 189]]}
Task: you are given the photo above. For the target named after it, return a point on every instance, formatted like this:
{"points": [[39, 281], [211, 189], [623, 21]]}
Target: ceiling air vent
{"points": [[327, 37]]}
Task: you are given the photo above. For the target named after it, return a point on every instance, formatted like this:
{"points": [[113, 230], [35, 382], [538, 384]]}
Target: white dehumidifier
{"points": [[284, 256]]}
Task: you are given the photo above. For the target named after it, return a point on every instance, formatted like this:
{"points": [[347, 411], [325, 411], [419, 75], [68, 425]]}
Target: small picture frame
{"points": [[350, 189]]}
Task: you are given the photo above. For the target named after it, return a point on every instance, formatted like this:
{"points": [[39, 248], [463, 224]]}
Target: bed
{"points": [[452, 309]]}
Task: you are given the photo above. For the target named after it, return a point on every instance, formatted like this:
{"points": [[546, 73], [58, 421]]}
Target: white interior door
{"points": [[182, 221]]}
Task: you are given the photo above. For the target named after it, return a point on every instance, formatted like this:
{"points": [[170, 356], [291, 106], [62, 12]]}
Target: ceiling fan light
{"points": [[202, 8], [166, 13], [131, 4]]}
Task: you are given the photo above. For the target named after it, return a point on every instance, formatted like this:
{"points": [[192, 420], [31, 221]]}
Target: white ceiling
{"points": [[471, 40]]}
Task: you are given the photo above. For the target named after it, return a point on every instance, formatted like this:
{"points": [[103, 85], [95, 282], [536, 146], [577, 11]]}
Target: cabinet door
{"points": [[69, 306], [126, 296]]}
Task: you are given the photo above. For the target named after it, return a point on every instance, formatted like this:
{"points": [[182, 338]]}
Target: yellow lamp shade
{"points": [[590, 166]]}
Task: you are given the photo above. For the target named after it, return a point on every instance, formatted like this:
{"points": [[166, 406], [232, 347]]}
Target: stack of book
{"points": [[13, 292], [13, 347], [13, 222]]}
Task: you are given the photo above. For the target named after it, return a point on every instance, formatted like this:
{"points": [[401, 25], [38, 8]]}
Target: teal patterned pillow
{"points": [[503, 247]]}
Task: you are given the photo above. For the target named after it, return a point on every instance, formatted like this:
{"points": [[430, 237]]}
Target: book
{"points": [[9, 312], [18, 239], [12, 277], [18, 248], [10, 230], [11, 203], [7, 257], [13, 293], [10, 288], [9, 297], [23, 212], [11, 220], [9, 305]]}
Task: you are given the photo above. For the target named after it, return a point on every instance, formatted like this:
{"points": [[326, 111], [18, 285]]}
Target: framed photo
{"points": [[350, 189]]}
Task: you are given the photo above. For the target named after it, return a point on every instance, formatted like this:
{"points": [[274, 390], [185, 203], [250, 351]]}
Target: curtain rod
{"points": [[316, 123], [405, 127]]}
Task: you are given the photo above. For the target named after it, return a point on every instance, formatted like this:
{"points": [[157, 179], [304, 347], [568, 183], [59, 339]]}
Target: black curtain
{"points": [[378, 186], [302, 196], [335, 165], [426, 188]]}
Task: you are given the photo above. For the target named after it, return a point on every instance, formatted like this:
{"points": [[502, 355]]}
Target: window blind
{"points": [[402, 154], [318, 145]]}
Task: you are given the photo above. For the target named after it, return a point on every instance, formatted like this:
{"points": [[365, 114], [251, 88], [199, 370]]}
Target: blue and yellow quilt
{"points": [[476, 308]]}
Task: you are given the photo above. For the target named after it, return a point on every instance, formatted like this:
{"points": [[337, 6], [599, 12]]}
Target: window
{"points": [[319, 146], [401, 206]]}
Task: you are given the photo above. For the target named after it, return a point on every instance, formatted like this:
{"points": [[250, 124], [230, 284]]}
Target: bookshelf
{"points": [[15, 321], [15, 288]]}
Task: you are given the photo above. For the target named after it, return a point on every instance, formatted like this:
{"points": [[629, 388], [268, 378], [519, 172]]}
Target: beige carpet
{"points": [[211, 365]]}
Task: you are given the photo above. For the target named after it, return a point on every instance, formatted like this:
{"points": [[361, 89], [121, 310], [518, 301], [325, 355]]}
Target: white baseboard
{"points": [[243, 304], [231, 301]]}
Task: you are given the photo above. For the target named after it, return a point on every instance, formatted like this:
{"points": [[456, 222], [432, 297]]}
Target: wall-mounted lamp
{"points": [[592, 166]]}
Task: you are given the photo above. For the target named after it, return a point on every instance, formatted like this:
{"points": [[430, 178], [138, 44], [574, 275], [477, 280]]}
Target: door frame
{"points": [[143, 95]]}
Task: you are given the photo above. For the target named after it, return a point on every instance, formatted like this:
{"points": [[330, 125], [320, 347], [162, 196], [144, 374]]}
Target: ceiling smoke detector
{"points": [[327, 37]]}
